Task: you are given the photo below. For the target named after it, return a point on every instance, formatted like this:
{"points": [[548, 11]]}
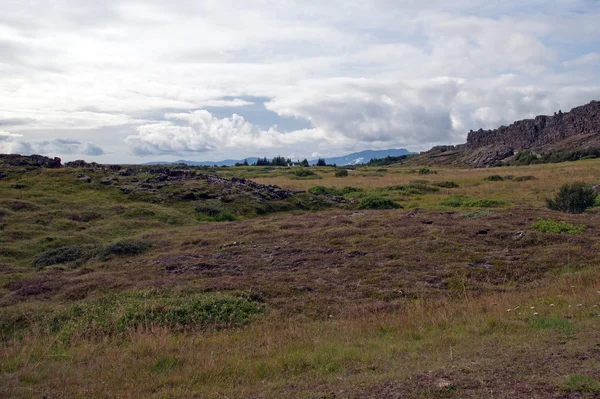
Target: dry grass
{"points": [[453, 303]]}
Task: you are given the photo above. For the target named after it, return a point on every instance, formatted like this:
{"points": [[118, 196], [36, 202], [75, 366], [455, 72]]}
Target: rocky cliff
{"points": [[576, 130], [542, 130]]}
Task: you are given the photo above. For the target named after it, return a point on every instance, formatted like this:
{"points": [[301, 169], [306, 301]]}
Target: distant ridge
{"points": [[356, 158]]}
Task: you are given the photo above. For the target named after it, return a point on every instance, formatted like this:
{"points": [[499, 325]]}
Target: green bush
{"points": [[552, 226], [304, 172], [322, 190], [494, 178], [68, 254], [573, 198], [128, 247], [224, 216], [376, 202], [341, 173], [446, 184]]}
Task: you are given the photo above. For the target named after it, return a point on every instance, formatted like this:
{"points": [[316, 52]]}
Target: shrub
{"points": [[573, 198], [446, 184], [494, 178], [72, 253], [224, 216], [376, 202], [127, 247], [552, 226], [525, 178], [461, 201], [341, 173], [304, 172]]}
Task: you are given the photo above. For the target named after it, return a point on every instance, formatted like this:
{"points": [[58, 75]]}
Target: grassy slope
{"points": [[359, 303]]}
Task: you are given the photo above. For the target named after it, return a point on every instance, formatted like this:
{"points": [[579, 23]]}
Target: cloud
{"points": [[11, 143], [584, 60], [369, 73], [200, 131]]}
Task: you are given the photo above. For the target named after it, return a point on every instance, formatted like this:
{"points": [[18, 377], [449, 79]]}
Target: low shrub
{"points": [[494, 178], [573, 198], [446, 184], [377, 202], [525, 178], [224, 216], [461, 201], [68, 254], [341, 173], [322, 190], [552, 226], [303, 172], [127, 247]]}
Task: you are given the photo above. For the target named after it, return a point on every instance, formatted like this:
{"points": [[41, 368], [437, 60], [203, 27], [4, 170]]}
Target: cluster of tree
{"points": [[282, 161], [389, 160]]}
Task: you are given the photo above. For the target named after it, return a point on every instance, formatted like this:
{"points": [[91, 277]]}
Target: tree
{"points": [[304, 163], [321, 162]]}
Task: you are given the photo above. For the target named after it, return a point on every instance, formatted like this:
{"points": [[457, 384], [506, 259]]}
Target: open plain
{"points": [[261, 282]]}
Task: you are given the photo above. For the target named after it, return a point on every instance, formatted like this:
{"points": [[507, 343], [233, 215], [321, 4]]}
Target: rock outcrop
{"points": [[39, 161], [576, 130], [542, 130]]}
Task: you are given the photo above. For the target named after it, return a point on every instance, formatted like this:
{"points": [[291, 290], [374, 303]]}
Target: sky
{"points": [[131, 81]]}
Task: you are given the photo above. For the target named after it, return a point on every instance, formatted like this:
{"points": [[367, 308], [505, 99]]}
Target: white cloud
{"points": [[11, 143], [369, 73], [199, 131]]}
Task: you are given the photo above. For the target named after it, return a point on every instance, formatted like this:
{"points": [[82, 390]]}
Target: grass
{"points": [[553, 226], [296, 298], [580, 383]]}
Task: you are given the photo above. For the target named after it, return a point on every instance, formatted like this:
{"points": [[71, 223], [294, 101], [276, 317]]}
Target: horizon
{"points": [[123, 82]]}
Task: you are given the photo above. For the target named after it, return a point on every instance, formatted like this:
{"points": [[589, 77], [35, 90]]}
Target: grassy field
{"points": [[154, 285]]}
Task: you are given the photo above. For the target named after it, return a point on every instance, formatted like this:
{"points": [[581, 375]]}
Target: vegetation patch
{"points": [[494, 178], [118, 313], [462, 201], [446, 184], [62, 255], [127, 247], [341, 173], [525, 178], [580, 383], [378, 202], [77, 255], [553, 226], [304, 174], [556, 323], [322, 190], [573, 198]]}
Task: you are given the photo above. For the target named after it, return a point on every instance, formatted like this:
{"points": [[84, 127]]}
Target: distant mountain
{"points": [[355, 158], [358, 158]]}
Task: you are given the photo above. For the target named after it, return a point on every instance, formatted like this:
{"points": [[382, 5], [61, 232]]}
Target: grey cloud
{"points": [[16, 144]]}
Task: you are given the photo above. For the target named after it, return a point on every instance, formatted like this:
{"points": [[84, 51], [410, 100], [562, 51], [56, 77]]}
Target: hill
{"points": [[562, 136]]}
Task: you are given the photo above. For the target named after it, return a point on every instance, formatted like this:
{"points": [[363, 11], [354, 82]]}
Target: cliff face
{"points": [[542, 130]]}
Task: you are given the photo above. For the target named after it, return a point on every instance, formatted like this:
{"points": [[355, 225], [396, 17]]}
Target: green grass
{"points": [[461, 201], [557, 227], [377, 202], [118, 313], [580, 383]]}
